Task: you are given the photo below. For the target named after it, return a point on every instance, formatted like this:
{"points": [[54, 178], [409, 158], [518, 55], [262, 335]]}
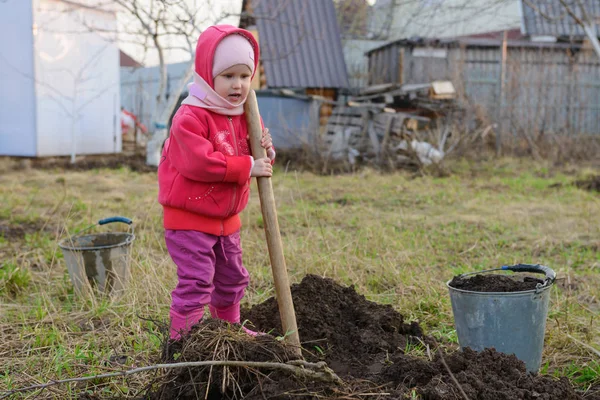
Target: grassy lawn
{"points": [[395, 237]]}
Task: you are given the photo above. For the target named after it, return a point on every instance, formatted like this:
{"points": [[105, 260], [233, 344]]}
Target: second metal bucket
{"points": [[510, 322], [99, 261]]}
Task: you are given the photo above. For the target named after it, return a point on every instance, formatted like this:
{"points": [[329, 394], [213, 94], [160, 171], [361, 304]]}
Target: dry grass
{"points": [[396, 238]]}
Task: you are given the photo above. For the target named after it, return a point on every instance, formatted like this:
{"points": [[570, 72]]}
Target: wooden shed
{"points": [[535, 86], [59, 80]]}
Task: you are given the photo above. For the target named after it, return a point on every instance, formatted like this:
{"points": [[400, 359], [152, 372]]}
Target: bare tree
{"points": [[579, 11], [160, 27], [161, 24]]}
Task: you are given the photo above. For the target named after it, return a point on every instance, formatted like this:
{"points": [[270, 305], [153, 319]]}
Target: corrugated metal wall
{"points": [[139, 88], [546, 89], [291, 121]]}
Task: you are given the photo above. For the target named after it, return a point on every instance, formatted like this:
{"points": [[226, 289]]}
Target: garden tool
{"points": [[274, 244]]}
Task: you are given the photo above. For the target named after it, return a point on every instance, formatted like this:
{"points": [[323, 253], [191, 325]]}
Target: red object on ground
{"points": [[129, 121]]}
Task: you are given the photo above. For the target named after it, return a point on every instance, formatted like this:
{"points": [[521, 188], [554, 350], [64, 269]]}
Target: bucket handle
{"points": [[117, 218], [109, 220], [535, 268]]}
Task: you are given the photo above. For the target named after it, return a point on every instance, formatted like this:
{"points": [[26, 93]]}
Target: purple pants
{"points": [[209, 270]]}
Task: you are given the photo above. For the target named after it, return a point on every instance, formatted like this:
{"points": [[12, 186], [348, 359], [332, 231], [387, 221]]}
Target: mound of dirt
{"points": [[364, 343], [495, 283], [486, 375], [339, 326]]}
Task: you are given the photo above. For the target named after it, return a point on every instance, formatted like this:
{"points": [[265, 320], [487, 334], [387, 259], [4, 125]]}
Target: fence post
{"points": [[502, 114]]}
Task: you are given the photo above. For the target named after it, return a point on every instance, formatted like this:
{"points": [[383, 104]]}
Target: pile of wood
{"points": [[381, 125]]}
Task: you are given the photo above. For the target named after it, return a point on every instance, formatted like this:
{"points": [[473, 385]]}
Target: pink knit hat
{"points": [[234, 49]]}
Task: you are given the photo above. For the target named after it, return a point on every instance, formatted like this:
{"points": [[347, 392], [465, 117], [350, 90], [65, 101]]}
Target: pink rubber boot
{"points": [[232, 314], [181, 324]]}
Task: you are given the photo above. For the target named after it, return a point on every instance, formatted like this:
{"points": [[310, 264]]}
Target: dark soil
{"points": [[363, 342], [592, 183], [135, 162], [11, 230], [340, 326], [495, 283]]}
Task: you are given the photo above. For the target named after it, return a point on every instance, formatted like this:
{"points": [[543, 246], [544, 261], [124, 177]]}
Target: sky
{"points": [[209, 10]]}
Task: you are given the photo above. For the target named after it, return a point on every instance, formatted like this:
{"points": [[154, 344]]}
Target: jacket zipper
{"points": [[235, 150]]}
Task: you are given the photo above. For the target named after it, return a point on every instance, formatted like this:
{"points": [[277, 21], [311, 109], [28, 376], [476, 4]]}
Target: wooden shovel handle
{"points": [[269, 212]]}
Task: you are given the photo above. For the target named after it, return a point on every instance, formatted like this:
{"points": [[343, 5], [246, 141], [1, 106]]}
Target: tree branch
{"points": [[319, 372], [542, 13], [585, 22], [570, 11], [451, 374]]}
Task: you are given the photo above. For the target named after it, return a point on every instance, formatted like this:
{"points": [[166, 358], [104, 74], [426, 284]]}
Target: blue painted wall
{"points": [[288, 119]]}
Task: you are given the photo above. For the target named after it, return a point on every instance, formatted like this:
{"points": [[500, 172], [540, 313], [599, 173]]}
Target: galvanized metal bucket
{"points": [[99, 262], [510, 322]]}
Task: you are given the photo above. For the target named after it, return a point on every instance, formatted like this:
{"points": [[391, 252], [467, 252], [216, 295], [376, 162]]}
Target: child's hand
{"points": [[262, 167], [266, 141]]}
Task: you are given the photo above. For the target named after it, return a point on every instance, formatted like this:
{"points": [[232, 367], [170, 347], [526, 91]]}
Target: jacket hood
{"points": [[207, 44]]}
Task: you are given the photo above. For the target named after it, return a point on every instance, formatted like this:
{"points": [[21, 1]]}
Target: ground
{"points": [[368, 255], [368, 345]]}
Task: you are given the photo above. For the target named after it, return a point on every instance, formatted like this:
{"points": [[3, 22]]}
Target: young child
{"points": [[204, 180]]}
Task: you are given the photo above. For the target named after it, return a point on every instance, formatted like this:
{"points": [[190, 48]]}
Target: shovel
{"points": [[274, 245]]}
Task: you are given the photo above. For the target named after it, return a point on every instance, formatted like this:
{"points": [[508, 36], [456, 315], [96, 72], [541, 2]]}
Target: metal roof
{"points": [[127, 61], [300, 44], [550, 18], [473, 42]]}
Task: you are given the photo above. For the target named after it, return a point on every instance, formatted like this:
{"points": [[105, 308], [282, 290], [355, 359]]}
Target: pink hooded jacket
{"points": [[204, 173]]}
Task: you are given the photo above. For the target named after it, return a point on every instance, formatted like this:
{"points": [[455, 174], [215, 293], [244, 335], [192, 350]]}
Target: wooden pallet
{"points": [[345, 130]]}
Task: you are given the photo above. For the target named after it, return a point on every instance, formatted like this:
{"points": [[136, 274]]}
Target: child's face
{"points": [[233, 84]]}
